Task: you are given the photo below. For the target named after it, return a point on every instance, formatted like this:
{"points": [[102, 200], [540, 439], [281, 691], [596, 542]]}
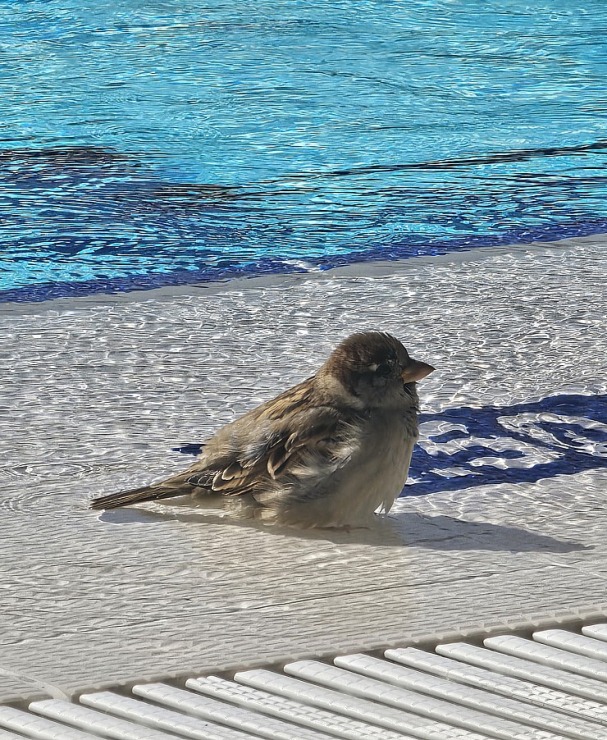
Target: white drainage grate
{"points": [[550, 686]]}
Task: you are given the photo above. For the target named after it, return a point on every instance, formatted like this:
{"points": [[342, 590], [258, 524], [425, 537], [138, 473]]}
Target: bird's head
{"points": [[375, 369]]}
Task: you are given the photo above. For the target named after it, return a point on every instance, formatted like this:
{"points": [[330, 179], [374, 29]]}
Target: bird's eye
{"points": [[384, 368]]}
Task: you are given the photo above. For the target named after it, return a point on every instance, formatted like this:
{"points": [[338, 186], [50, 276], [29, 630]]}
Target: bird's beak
{"points": [[416, 370]]}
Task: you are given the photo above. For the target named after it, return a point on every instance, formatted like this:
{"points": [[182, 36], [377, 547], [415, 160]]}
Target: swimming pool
{"points": [[159, 143]]}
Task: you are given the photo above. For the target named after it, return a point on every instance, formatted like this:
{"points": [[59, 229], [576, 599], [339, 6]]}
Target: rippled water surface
{"points": [[166, 142]]}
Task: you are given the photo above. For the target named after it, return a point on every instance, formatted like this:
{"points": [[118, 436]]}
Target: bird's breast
{"points": [[378, 470]]}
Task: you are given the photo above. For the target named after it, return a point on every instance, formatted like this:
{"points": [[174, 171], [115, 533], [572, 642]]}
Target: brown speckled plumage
{"points": [[327, 452]]}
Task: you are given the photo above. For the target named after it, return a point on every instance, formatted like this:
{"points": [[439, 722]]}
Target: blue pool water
{"points": [[170, 141]]}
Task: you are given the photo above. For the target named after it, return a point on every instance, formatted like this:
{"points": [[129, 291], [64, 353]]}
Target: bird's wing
{"points": [[319, 438], [258, 451]]}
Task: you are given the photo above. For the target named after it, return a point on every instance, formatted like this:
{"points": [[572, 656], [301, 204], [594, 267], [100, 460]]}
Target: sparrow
{"points": [[326, 453]]}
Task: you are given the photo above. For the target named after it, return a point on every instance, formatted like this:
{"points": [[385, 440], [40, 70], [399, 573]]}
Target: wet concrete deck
{"points": [[97, 392]]}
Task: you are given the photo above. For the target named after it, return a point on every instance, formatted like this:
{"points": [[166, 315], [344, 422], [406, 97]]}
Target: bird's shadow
{"points": [[449, 533], [396, 530]]}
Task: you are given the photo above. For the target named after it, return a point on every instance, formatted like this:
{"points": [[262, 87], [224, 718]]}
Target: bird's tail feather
{"points": [[145, 493]]}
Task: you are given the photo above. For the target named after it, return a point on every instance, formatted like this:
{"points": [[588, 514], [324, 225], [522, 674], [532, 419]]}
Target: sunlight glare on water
{"points": [[141, 140]]}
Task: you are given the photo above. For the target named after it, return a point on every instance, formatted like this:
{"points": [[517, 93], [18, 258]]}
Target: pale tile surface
{"points": [[96, 393]]}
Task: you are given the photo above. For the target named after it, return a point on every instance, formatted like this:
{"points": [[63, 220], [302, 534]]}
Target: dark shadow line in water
{"points": [[94, 155], [520, 155], [60, 156]]}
